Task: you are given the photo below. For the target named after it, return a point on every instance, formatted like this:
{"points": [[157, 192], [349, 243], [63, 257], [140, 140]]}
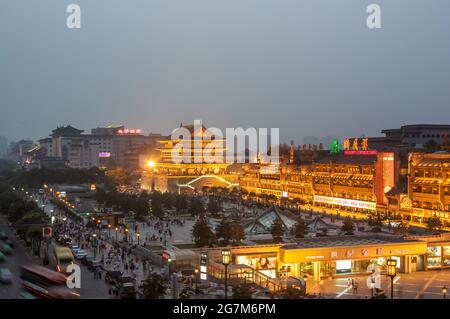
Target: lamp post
{"points": [[95, 244], [126, 234], [226, 254], [196, 280], [168, 267], [305, 279], [109, 230], [392, 272], [444, 292], [138, 235]]}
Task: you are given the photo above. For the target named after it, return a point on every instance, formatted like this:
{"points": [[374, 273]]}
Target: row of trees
{"points": [[227, 232], [25, 216]]}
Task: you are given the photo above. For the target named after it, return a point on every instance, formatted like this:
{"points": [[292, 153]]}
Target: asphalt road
{"points": [[13, 263], [90, 288]]}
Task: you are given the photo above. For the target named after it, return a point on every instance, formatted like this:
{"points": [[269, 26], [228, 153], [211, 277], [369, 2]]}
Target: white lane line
{"points": [[426, 286], [343, 292]]}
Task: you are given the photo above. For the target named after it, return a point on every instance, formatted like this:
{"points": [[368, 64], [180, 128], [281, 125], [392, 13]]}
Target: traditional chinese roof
{"points": [[66, 131]]}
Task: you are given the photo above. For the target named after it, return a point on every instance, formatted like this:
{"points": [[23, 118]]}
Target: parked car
{"points": [[6, 276], [112, 275], [6, 249], [9, 242], [79, 254]]}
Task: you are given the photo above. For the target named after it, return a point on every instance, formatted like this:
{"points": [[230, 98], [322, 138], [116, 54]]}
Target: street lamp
{"points": [[138, 235], [392, 272], [196, 281], [95, 244], [126, 234], [305, 279], [444, 291], [109, 230], [116, 232], [226, 254]]}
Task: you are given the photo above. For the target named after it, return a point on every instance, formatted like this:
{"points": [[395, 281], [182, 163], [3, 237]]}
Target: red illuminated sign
{"points": [[130, 131], [350, 152]]}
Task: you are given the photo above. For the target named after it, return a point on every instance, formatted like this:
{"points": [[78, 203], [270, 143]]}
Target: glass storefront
{"points": [[434, 256], [438, 256]]}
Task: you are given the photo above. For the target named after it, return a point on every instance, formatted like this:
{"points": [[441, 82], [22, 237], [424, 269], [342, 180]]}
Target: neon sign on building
{"points": [[345, 202]]}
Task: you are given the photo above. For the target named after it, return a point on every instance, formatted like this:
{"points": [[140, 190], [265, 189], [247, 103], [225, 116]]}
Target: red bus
{"points": [[46, 283]]}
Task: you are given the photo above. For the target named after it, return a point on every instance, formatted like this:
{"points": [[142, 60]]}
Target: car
{"points": [[9, 242], [6, 249], [125, 286], [79, 254], [86, 259], [27, 295], [6, 276], [112, 275], [2, 256], [3, 236]]}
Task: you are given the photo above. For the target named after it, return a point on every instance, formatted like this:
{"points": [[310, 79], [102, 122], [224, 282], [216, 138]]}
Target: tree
{"points": [[402, 228], [224, 230], [153, 287], [196, 206], [431, 145], [181, 203], [237, 231], [300, 228], [434, 223], [242, 292], [202, 233], [213, 207], [376, 225], [277, 230], [292, 293], [348, 227]]}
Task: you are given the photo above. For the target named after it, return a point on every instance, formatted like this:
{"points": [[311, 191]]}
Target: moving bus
{"points": [[46, 283], [63, 258]]}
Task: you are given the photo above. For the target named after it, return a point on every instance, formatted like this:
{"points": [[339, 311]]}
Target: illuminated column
{"points": [[407, 263], [316, 268]]}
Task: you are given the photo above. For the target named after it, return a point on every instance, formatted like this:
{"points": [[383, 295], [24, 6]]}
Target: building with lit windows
{"points": [[353, 182], [111, 145]]}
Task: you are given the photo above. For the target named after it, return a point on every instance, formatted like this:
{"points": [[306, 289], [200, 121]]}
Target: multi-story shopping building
{"points": [[354, 182]]}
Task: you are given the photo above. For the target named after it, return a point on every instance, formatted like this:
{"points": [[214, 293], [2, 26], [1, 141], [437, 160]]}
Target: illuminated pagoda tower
{"points": [[190, 163]]}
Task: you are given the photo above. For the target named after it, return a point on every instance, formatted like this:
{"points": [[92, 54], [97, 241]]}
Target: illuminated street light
{"points": [[151, 164], [444, 291], [392, 272], [226, 254]]}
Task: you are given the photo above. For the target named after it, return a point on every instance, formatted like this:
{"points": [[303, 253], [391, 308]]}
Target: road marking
{"points": [[343, 292], [426, 286]]}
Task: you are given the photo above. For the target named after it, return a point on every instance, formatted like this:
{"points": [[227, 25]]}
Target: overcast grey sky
{"points": [[309, 67]]}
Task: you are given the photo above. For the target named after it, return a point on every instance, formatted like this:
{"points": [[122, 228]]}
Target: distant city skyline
{"points": [[310, 68]]}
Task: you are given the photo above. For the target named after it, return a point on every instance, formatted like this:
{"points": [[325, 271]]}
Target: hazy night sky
{"points": [[309, 67]]}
